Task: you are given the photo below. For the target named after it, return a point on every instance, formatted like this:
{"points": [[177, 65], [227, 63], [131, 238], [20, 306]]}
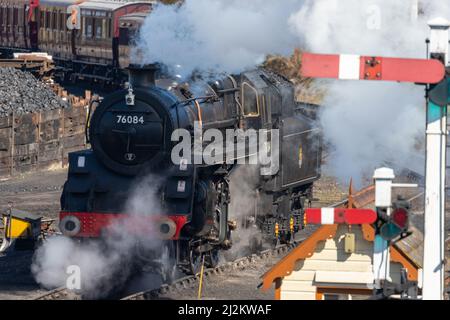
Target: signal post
{"points": [[436, 144], [430, 72]]}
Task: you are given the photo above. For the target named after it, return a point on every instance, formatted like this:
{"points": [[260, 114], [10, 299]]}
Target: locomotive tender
{"points": [[87, 39], [130, 133]]}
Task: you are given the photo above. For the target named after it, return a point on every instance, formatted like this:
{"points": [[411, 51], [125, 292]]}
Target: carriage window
{"points": [[62, 21], [15, 16], [89, 26], [54, 21], [108, 22], [2, 17], [124, 36], [21, 16], [104, 28], [98, 29], [42, 19], [250, 100], [47, 20]]}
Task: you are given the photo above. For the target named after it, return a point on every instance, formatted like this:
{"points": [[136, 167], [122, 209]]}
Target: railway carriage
{"points": [[83, 37], [13, 24]]}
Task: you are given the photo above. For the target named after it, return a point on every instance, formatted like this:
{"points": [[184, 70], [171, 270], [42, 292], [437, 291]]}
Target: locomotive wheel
{"points": [[195, 262], [213, 258]]}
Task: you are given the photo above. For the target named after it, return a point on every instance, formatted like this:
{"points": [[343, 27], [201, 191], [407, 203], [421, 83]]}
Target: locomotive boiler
{"points": [[131, 137]]}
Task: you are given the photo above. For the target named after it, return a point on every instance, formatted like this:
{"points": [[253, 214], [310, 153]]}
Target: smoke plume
{"points": [[368, 124], [217, 35]]}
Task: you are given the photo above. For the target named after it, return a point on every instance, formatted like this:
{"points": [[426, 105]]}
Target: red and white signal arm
{"points": [[339, 216], [356, 67]]}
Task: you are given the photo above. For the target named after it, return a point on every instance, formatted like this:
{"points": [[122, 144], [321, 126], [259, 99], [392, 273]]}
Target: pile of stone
{"points": [[21, 93]]}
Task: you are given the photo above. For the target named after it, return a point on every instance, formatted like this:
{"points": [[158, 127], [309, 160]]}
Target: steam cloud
{"points": [[368, 124], [104, 266], [217, 35], [243, 188]]}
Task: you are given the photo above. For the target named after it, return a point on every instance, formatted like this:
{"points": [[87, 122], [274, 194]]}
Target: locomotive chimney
{"points": [[143, 75]]}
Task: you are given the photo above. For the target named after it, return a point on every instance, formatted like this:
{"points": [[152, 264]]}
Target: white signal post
{"points": [[436, 140], [429, 71], [383, 178]]}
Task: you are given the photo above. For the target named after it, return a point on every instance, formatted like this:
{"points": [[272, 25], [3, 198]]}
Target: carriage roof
{"points": [[108, 5], [134, 15]]}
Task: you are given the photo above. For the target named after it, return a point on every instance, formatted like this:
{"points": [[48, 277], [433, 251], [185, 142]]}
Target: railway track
{"points": [[61, 293], [191, 281], [359, 199], [362, 198]]}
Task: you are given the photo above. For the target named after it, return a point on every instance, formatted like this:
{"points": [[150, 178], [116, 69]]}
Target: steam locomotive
{"points": [[131, 137], [86, 39]]}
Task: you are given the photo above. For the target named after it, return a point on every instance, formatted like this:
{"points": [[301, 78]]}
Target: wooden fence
{"points": [[42, 140]]}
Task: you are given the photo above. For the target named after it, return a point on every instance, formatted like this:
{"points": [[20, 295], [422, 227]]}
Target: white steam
{"points": [[217, 35], [244, 181], [369, 123], [106, 265]]}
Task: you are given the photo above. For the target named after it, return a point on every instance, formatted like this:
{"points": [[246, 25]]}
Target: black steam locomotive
{"points": [[130, 133]]}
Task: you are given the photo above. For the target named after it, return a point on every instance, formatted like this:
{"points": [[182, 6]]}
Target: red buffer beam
{"points": [[355, 67], [339, 216]]}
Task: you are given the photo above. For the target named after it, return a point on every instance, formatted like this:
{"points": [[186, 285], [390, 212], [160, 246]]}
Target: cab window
{"points": [[250, 102]]}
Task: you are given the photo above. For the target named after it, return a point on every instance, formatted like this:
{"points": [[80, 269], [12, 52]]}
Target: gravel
{"points": [[37, 192], [22, 93]]}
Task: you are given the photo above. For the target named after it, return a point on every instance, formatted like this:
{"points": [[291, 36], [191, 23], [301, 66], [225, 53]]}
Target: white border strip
{"points": [[327, 216], [349, 66]]}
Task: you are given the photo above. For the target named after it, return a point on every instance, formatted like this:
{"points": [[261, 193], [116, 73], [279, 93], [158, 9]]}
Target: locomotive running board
{"points": [[355, 67]]}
